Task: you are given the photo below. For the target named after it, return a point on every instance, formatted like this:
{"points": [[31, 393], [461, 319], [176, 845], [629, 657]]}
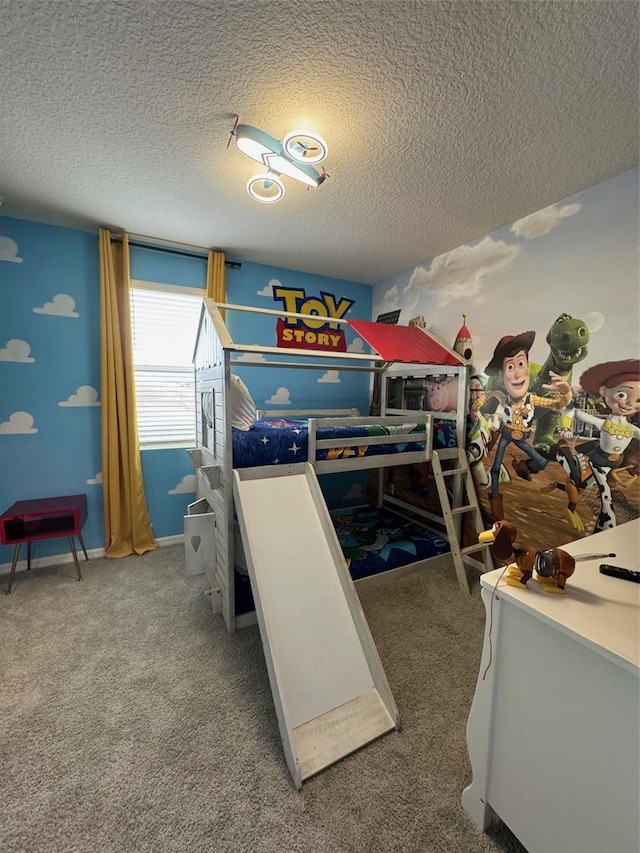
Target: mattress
{"points": [[273, 442], [373, 540]]}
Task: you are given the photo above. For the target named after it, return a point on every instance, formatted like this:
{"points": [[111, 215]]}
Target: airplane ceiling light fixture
{"points": [[292, 158]]}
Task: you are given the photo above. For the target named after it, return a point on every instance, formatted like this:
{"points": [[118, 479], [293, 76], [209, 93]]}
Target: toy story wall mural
{"points": [[328, 300], [550, 310]]}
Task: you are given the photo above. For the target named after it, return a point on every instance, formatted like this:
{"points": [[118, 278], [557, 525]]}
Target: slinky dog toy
{"points": [[552, 567]]}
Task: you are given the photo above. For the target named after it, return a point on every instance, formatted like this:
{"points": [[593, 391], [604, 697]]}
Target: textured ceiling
{"points": [[444, 120]]}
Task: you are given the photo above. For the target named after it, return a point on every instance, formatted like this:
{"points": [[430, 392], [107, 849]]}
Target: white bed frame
{"points": [[210, 522]]}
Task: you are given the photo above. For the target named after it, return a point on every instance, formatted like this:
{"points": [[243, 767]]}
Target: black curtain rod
{"points": [[184, 252], [231, 264]]}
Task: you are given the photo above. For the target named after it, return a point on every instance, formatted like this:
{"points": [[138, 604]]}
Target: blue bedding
{"points": [[374, 540], [274, 442]]}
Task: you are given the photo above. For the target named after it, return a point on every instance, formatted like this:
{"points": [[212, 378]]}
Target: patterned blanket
{"points": [[274, 442], [375, 540]]}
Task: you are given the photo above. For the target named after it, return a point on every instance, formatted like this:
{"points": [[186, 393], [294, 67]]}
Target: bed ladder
{"points": [[453, 515]]}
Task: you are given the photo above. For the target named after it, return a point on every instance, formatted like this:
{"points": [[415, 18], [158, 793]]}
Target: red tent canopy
{"points": [[404, 343]]}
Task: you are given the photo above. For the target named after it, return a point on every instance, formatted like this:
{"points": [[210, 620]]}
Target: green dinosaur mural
{"points": [[568, 340]]}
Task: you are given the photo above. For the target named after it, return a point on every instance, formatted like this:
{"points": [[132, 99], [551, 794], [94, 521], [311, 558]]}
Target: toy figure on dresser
{"points": [[552, 567], [618, 384], [511, 362]]}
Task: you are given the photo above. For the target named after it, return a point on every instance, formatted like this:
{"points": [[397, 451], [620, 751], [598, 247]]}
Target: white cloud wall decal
{"points": [[16, 350], [356, 345], [86, 395], [281, 397], [250, 356], [19, 423], [331, 376], [186, 485], [95, 481], [62, 305], [267, 290], [9, 251]]}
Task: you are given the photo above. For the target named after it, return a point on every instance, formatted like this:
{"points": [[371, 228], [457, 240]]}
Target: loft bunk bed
{"points": [[266, 509], [331, 440]]}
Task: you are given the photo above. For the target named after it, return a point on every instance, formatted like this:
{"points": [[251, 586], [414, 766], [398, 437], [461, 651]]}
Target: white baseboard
{"points": [[178, 539], [57, 559]]}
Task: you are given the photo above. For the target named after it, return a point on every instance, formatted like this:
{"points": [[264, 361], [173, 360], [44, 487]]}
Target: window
{"points": [[164, 322]]}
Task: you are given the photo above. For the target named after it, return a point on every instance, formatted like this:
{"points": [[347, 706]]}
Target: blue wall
{"points": [[50, 370], [49, 349]]}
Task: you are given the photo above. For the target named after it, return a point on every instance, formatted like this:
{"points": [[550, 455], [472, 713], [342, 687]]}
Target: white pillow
{"points": [[207, 405], [243, 409]]}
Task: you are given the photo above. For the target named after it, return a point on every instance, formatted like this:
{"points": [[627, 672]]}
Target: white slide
{"points": [[329, 688]]}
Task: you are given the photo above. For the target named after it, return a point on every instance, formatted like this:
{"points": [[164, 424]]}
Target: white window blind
{"points": [[164, 325]]}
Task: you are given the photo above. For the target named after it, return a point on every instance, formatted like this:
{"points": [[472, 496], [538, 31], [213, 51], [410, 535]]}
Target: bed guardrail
{"points": [[342, 454], [265, 414]]}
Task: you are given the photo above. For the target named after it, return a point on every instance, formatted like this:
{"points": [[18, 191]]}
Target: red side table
{"points": [[45, 518]]}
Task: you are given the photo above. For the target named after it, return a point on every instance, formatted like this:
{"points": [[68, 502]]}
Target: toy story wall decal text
{"points": [[320, 334]]}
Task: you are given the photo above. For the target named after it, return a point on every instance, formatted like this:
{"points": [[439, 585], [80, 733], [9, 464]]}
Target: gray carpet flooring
{"points": [[131, 721]]}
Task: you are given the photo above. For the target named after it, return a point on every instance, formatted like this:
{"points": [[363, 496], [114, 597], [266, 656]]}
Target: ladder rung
{"points": [[462, 509], [458, 554], [459, 510], [471, 548]]}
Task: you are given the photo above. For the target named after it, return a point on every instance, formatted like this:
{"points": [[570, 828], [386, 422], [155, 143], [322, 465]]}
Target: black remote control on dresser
{"points": [[618, 572]]}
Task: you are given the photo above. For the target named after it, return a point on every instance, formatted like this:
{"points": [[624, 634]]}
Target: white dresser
{"points": [[554, 728]]}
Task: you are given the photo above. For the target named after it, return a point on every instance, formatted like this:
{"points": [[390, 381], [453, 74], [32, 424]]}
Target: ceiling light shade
{"points": [[291, 158], [267, 188], [307, 175], [269, 152], [303, 146], [255, 143]]}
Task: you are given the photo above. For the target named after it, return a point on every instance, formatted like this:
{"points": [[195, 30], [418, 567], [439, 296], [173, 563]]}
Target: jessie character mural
{"points": [[618, 383], [511, 362]]}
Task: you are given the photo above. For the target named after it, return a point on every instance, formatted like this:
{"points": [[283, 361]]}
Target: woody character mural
{"points": [[579, 440], [510, 364], [550, 310]]}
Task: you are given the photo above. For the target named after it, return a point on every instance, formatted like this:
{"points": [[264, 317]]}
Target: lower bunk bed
{"points": [[375, 539], [379, 537]]}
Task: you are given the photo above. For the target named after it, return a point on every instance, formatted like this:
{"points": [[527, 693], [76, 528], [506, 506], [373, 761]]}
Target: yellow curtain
{"points": [[126, 521], [216, 277]]}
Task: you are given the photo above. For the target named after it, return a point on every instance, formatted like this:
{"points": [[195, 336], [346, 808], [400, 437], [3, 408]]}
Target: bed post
{"points": [[383, 411], [462, 404]]}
